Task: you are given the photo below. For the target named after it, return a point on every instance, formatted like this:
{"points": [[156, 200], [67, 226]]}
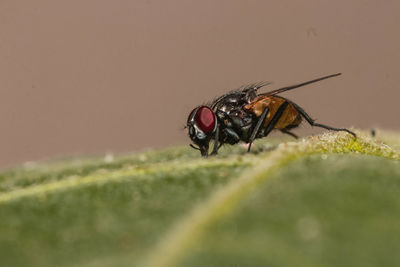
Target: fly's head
{"points": [[202, 125]]}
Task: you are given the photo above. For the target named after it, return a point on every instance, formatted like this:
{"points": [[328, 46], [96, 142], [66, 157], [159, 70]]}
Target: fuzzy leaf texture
{"points": [[326, 200]]}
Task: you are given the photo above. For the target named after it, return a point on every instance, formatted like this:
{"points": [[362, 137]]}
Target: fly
{"points": [[243, 115]]}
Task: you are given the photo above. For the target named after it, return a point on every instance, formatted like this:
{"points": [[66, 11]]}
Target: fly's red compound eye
{"points": [[205, 119]]}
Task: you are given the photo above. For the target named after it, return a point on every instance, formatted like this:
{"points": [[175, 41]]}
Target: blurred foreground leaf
{"points": [[325, 201]]}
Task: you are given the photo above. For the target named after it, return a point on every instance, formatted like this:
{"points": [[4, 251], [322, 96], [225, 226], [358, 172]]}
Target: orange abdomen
{"points": [[290, 116]]}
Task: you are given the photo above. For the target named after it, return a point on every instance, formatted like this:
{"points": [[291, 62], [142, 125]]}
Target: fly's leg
{"points": [[271, 125], [286, 131], [216, 147], [256, 129], [234, 137], [312, 123], [192, 146]]}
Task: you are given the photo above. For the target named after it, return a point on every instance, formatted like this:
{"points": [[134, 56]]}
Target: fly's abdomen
{"points": [[288, 119]]}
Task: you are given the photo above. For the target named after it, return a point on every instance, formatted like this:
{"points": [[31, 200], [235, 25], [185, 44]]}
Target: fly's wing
{"points": [[244, 94], [284, 89]]}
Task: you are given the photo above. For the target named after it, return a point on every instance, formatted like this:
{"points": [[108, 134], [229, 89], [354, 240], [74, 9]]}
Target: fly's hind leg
{"points": [[312, 123], [286, 131]]}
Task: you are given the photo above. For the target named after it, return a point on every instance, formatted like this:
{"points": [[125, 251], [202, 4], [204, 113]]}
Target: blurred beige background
{"points": [[85, 77]]}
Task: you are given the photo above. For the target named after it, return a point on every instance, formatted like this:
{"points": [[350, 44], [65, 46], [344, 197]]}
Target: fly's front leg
{"points": [[216, 140], [231, 137]]}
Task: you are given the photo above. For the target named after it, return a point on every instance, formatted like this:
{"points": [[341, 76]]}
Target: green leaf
{"points": [[328, 200]]}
